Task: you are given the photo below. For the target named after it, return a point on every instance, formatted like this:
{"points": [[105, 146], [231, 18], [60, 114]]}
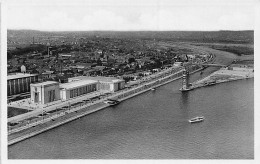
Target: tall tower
{"points": [[185, 80]]}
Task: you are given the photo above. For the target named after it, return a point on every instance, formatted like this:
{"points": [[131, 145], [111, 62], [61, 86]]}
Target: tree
{"points": [[99, 62], [131, 60]]}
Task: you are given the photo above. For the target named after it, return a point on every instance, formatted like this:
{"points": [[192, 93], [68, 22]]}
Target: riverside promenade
{"points": [[37, 125]]}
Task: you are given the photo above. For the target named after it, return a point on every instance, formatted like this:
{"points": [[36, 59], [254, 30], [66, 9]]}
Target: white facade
{"points": [[109, 84], [77, 88], [46, 92], [178, 64], [23, 69]]}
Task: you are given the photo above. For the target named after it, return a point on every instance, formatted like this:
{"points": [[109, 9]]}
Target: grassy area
{"points": [[220, 77], [236, 50], [11, 112], [244, 61]]}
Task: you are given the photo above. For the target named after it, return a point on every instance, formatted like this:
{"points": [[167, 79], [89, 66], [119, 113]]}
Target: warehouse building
{"points": [[45, 92], [77, 88], [20, 83], [106, 84]]}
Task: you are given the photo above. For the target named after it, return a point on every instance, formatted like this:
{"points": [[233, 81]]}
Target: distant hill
{"points": [[197, 36]]}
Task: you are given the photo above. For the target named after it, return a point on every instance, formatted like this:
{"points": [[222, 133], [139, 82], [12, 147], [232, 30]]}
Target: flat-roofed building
{"points": [[77, 88], [110, 84], [45, 92], [20, 83]]}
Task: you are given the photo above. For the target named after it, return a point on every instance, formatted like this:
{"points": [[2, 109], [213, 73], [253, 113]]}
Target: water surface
{"points": [[155, 125]]}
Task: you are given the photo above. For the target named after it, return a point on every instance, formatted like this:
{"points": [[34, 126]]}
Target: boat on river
{"points": [[111, 102], [186, 89], [196, 119], [209, 83]]}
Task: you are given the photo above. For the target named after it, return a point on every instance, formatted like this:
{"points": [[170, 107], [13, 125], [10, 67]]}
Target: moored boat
{"points": [[111, 102], [185, 89], [209, 83], [212, 83], [196, 119]]}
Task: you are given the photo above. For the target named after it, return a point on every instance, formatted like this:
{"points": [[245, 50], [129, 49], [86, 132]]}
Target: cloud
{"points": [[235, 20], [104, 19], [44, 17]]}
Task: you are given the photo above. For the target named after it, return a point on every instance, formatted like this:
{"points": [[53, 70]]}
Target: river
{"points": [[154, 125]]}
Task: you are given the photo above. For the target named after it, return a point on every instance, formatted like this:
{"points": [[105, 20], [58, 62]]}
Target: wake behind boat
{"points": [[196, 119]]}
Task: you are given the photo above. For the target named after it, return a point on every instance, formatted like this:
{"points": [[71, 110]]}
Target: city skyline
{"points": [[130, 16]]}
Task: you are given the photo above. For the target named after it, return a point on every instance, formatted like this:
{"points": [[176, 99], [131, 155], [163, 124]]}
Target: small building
{"points": [[23, 69], [77, 88], [46, 75], [46, 92], [156, 70], [67, 55], [20, 83], [146, 73], [178, 64]]}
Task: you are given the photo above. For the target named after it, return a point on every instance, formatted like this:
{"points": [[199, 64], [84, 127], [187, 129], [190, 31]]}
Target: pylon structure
{"points": [[185, 80]]}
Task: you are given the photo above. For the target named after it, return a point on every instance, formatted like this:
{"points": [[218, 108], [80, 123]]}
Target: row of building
{"points": [[49, 91]]}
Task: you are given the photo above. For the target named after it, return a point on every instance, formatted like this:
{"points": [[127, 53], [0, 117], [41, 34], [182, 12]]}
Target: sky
{"points": [[133, 15]]}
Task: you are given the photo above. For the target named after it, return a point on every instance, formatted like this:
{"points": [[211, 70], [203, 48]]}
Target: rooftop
{"points": [[19, 75], [45, 83], [97, 78], [76, 84]]}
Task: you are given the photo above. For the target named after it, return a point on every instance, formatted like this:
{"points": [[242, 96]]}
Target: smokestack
{"points": [[48, 49]]}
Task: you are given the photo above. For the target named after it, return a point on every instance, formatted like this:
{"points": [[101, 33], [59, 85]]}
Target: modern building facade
{"points": [[77, 88], [49, 91], [46, 92], [20, 83], [109, 84]]}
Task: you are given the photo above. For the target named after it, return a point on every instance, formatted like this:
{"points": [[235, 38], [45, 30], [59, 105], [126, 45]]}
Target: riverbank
{"points": [[67, 116], [154, 120], [232, 73]]}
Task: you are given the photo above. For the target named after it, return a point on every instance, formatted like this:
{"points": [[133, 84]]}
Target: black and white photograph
{"points": [[129, 79]]}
